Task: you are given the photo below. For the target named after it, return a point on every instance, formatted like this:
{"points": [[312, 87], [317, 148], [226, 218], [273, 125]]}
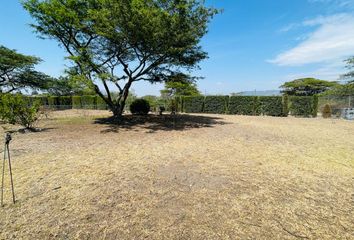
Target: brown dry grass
{"points": [[197, 177]]}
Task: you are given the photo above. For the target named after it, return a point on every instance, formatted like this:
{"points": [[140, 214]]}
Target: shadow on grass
{"points": [[155, 123]]}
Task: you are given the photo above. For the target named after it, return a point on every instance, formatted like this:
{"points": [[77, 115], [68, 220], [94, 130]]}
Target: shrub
{"points": [[327, 111], [302, 106], [271, 105], [244, 105], [76, 102], [15, 109], [216, 104], [193, 104], [140, 107], [88, 102]]}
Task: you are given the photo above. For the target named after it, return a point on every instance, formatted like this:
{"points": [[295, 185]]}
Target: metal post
{"points": [[11, 179], [2, 178], [350, 101], [7, 150]]}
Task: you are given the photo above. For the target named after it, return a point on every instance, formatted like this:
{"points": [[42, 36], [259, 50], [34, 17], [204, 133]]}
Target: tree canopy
{"points": [[307, 87], [119, 42], [17, 71]]}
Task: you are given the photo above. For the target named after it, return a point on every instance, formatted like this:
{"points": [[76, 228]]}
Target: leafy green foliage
{"points": [[145, 40], [17, 71], [140, 107], [216, 104], [307, 87], [327, 111], [15, 109], [244, 105], [272, 105], [193, 104], [303, 106]]}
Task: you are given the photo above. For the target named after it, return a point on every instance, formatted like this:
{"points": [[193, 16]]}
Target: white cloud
{"points": [[331, 41]]}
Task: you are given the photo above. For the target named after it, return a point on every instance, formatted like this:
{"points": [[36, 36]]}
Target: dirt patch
{"points": [[198, 177]]}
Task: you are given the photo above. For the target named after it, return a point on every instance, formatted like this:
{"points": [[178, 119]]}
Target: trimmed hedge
{"points": [[216, 104], [88, 102], [53, 102], [101, 104], [304, 106], [244, 105], [285, 105], [272, 105], [76, 102], [193, 104], [65, 102]]}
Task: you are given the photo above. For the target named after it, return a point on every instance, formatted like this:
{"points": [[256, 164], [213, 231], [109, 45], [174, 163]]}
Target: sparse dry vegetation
{"points": [[189, 177]]}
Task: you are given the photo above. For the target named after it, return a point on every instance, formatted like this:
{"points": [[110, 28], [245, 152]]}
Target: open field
{"points": [[196, 177]]}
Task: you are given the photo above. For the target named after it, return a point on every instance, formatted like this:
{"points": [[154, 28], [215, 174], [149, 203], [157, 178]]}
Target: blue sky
{"points": [[253, 44]]}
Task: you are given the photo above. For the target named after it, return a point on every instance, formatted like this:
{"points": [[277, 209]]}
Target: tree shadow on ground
{"points": [[155, 123]]}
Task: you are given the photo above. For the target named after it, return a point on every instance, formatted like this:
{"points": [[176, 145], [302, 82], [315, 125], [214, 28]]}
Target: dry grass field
{"points": [[193, 177]]}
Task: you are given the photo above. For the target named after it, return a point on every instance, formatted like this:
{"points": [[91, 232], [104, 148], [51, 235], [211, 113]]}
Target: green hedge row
{"points": [[193, 104], [278, 106], [216, 104], [71, 102], [304, 106]]}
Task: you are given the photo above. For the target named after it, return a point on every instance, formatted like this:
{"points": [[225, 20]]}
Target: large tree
{"points": [[17, 71], [307, 87], [119, 42]]}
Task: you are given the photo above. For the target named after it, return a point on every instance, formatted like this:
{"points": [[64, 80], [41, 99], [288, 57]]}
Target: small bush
{"points": [[15, 109], [244, 105], [327, 111], [140, 107], [193, 104], [271, 105], [216, 104]]}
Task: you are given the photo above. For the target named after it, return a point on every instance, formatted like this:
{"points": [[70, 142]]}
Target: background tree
{"points": [[307, 87], [17, 72], [350, 75], [68, 86], [347, 88], [125, 41], [180, 85]]}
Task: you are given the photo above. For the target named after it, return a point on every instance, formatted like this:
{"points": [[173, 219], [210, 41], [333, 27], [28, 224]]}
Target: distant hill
{"points": [[259, 93]]}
